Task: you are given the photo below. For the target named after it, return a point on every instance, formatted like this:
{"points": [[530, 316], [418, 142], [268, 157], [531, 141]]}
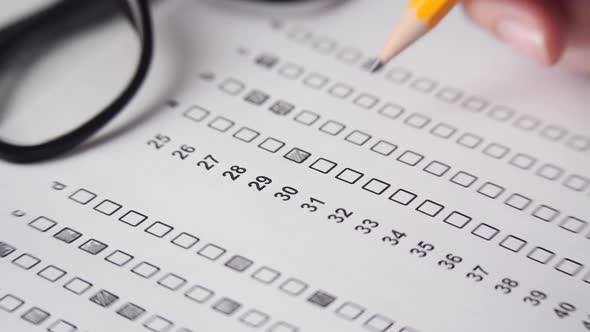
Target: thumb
{"points": [[533, 27]]}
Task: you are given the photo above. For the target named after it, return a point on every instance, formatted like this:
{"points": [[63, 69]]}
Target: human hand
{"points": [[546, 31]]}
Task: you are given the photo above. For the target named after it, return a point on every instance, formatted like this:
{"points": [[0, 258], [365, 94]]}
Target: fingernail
{"points": [[525, 38]]}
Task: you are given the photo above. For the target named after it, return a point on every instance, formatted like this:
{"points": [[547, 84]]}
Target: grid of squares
{"points": [[105, 298], [444, 131], [474, 104]]}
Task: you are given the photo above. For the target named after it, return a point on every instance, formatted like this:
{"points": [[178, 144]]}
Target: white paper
{"points": [[459, 151]]}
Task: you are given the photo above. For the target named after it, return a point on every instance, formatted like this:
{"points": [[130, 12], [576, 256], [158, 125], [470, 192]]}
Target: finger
{"points": [[577, 54], [533, 27]]}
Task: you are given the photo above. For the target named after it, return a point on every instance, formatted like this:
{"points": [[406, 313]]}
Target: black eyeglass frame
{"points": [[138, 12]]}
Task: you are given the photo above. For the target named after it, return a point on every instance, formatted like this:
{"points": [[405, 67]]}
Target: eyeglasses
{"points": [[13, 37]]}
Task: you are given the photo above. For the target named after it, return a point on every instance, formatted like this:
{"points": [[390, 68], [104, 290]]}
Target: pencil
{"points": [[419, 18]]}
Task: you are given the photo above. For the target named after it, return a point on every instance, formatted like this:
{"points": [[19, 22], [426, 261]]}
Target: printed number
{"points": [[477, 274], [587, 323], [208, 162], [340, 215], [184, 152], [394, 238], [159, 141], [422, 249], [286, 193], [367, 226], [260, 183], [506, 286], [535, 297], [450, 261], [313, 204], [564, 309], [234, 172]]}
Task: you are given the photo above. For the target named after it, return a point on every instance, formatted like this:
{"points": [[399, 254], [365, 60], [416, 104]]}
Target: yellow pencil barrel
{"points": [[432, 11]]}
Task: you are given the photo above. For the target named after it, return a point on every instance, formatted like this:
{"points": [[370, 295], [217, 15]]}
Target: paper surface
{"points": [[263, 180]]}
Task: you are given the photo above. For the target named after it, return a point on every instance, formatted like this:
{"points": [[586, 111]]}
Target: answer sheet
{"points": [[264, 180]]}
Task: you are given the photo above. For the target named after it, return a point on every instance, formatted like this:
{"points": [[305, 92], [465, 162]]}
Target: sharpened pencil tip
{"points": [[375, 65]]}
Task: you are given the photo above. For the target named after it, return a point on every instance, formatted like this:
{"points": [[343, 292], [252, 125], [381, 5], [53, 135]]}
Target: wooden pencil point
{"points": [[418, 19]]}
